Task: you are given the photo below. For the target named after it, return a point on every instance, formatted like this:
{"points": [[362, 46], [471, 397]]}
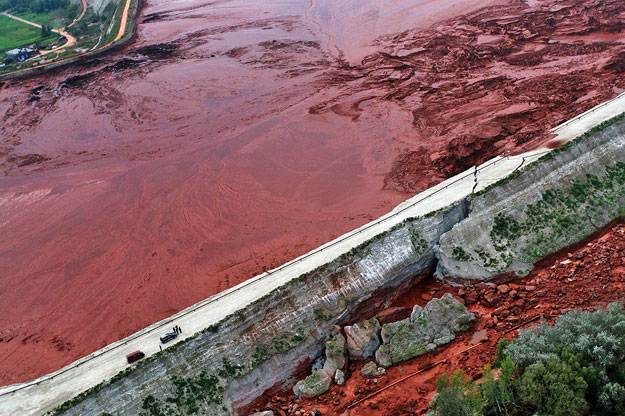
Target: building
{"points": [[20, 54]]}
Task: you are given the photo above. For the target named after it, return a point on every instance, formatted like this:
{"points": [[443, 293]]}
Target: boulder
{"points": [[264, 413], [383, 356], [435, 325], [402, 341], [314, 385], [393, 314], [339, 378], [362, 339], [372, 370], [447, 312], [416, 311], [335, 355]]}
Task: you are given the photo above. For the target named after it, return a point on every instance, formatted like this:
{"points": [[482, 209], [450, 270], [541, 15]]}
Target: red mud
{"points": [[234, 135], [590, 276]]}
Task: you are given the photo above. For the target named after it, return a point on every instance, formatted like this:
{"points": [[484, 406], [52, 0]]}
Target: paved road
{"points": [[82, 14], [40, 395]]}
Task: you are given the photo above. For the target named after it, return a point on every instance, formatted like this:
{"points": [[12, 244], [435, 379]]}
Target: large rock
{"points": [[372, 370], [416, 311], [339, 378], [362, 339], [446, 317], [335, 355], [320, 380], [314, 385], [427, 329]]}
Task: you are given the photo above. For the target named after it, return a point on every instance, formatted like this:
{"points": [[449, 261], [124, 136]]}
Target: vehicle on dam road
{"points": [[135, 356], [168, 337]]}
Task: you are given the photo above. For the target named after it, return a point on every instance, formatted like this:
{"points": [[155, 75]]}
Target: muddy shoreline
{"points": [[227, 140]]}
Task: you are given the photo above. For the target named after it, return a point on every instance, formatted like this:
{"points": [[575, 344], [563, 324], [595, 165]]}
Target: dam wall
{"points": [[272, 342], [555, 202], [264, 333]]}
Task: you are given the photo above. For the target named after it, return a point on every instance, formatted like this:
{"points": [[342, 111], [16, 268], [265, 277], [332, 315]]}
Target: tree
{"points": [[46, 31]]}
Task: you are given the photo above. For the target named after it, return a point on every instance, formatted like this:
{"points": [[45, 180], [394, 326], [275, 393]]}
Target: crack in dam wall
{"points": [[272, 342], [557, 201]]}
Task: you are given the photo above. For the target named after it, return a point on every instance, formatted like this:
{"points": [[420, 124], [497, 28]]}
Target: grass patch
{"points": [[56, 19]]}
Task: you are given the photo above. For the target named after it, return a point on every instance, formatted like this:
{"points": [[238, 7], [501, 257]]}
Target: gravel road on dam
{"points": [[231, 136]]}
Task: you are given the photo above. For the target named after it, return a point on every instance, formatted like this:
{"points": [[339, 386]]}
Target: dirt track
{"points": [[233, 136]]}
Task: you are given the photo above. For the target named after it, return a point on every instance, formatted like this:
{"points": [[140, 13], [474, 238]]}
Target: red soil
{"points": [[586, 277], [138, 183]]}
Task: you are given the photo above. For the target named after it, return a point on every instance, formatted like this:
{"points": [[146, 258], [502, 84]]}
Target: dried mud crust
{"points": [[491, 82], [586, 277]]}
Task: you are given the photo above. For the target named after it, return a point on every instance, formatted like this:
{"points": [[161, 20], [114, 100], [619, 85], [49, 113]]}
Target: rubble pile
{"points": [[587, 276]]}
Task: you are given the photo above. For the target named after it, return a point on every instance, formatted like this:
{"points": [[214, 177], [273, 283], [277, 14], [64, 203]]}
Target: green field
{"points": [[54, 18], [14, 34]]}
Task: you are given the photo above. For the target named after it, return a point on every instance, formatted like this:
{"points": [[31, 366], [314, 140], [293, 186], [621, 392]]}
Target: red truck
{"points": [[135, 356]]}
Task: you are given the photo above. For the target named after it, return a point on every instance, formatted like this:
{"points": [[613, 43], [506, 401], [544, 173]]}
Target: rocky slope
{"points": [[585, 276]]}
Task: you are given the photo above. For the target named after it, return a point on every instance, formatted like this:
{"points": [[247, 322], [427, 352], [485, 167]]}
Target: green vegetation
{"points": [[56, 19], [34, 6], [419, 243], [574, 368], [189, 395], [562, 216], [14, 34], [459, 254]]}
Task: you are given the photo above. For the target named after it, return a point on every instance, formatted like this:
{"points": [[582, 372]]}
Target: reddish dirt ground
{"points": [[234, 135], [588, 276]]}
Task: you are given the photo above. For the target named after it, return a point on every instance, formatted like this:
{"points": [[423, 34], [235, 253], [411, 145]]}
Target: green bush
{"points": [[498, 393], [573, 368], [456, 396], [554, 388]]}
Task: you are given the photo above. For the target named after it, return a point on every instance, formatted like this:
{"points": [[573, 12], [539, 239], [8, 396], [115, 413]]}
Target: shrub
{"points": [[576, 367], [554, 388], [599, 336], [498, 394], [456, 396]]}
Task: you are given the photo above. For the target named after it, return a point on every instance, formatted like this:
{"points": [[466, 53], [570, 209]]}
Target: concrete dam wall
{"points": [[543, 207]]}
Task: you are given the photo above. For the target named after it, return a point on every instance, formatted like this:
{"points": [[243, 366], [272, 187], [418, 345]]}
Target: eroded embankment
{"points": [[271, 343], [587, 276], [555, 202]]}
